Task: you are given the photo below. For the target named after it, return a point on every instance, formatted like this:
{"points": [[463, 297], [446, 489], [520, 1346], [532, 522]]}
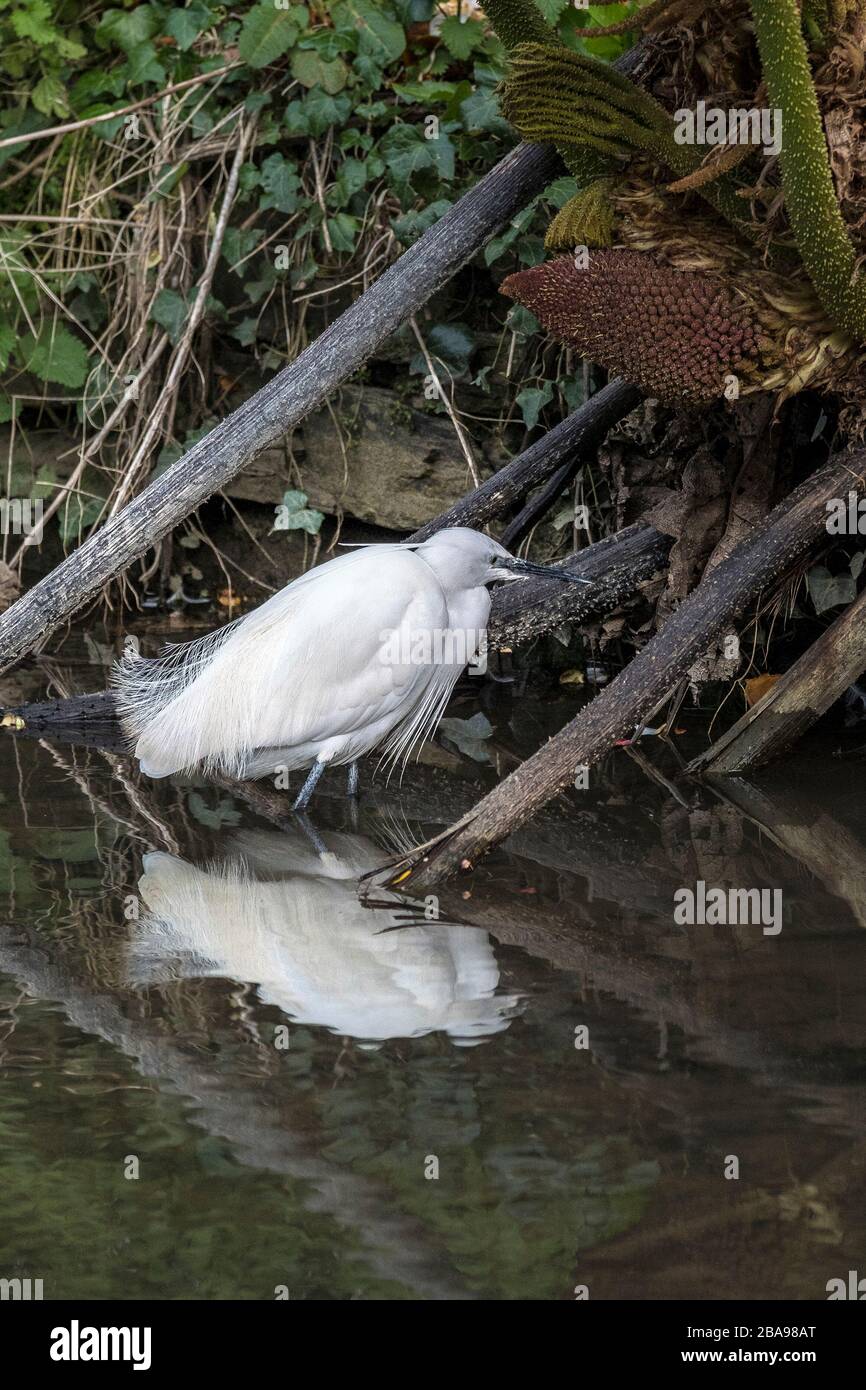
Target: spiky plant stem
{"points": [[519, 21], [810, 197]]}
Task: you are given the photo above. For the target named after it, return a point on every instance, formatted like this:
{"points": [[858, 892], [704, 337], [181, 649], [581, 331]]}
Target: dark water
{"points": [[317, 1103]]}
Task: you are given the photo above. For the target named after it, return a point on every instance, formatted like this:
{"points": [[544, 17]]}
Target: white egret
{"points": [[276, 914], [361, 651]]}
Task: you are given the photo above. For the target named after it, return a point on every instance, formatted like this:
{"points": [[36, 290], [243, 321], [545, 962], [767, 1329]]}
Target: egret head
{"points": [[464, 558]]}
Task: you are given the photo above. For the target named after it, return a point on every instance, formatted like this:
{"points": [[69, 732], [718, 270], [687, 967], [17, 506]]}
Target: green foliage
{"points": [[55, 355], [267, 33], [575, 101], [404, 127], [170, 312]]}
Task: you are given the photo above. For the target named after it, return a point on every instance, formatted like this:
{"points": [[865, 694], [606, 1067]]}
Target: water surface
{"points": [[333, 1102]]}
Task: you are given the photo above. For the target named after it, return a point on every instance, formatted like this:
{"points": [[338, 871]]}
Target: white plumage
{"points": [[310, 678], [311, 947]]}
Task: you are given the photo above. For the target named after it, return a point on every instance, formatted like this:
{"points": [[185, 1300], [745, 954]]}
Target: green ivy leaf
{"points": [[532, 401], [184, 26], [380, 39], [77, 515], [322, 110], [451, 343], [126, 29], [469, 736], [281, 184], [405, 152], [55, 355], [170, 312], [352, 175], [49, 97], [142, 66], [246, 332], [94, 84], [311, 70], [238, 242], [267, 33], [343, 231], [461, 37], [293, 514], [828, 590]]}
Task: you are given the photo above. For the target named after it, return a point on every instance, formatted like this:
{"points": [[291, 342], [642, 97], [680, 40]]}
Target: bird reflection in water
{"points": [[277, 914]]}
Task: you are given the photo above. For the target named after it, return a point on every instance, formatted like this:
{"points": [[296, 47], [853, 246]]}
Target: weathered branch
{"points": [[616, 565], [760, 560]]}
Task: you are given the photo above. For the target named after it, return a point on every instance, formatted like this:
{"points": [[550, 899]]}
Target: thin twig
{"points": [[121, 110], [462, 436]]}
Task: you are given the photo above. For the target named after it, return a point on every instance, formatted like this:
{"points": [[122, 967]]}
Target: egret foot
{"points": [[352, 782], [303, 797]]}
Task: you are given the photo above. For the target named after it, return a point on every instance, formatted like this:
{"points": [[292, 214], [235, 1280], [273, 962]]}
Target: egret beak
{"points": [[519, 567]]}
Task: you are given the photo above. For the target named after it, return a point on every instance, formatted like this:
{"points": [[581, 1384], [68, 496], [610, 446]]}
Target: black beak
{"points": [[527, 567]]}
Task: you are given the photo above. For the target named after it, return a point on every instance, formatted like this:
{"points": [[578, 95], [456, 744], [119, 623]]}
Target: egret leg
{"points": [[311, 832], [352, 783], [309, 786]]}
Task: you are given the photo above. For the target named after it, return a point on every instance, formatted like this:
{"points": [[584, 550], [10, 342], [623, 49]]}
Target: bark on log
{"points": [[616, 565], [792, 527], [804, 693], [274, 410]]}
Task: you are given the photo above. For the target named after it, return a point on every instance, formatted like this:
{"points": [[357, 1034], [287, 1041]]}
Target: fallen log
{"points": [[646, 682], [616, 566], [796, 701], [539, 505], [804, 829]]}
